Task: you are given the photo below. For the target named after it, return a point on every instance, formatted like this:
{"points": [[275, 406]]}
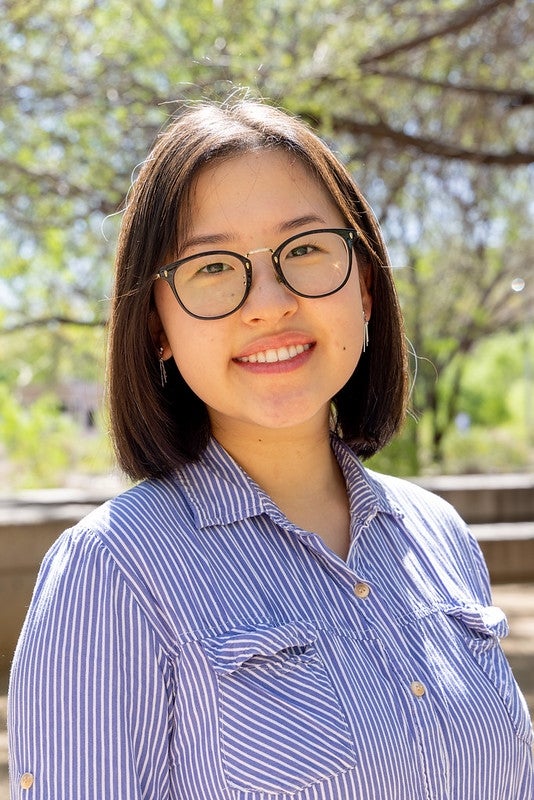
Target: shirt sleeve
{"points": [[89, 690]]}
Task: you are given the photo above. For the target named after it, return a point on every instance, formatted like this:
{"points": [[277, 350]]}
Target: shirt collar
{"points": [[218, 489], [220, 492], [367, 495]]}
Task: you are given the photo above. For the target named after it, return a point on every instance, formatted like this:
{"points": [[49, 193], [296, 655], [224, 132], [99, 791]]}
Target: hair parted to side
{"points": [[155, 429]]}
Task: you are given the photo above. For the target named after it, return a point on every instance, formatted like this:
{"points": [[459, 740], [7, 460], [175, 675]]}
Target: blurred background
{"points": [[429, 104]]}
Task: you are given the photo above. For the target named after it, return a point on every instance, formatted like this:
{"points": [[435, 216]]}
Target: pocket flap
{"points": [[485, 620], [231, 650]]}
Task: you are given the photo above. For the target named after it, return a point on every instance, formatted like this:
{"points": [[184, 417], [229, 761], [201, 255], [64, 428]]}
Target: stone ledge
{"points": [[479, 499], [482, 499], [503, 531], [508, 548]]}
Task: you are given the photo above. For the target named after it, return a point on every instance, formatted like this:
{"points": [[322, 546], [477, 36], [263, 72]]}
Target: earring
{"points": [[365, 333], [162, 370]]}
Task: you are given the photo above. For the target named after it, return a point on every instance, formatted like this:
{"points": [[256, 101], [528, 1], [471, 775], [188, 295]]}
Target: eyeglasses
{"points": [[215, 284]]}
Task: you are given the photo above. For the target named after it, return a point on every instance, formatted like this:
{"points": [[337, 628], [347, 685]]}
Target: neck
{"points": [[284, 457], [298, 470]]}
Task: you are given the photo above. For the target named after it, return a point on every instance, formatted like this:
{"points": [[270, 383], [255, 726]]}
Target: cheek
{"points": [[349, 344], [348, 325], [188, 339], [198, 356]]}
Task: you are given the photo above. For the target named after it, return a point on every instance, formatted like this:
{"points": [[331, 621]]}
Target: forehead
{"points": [[259, 189]]}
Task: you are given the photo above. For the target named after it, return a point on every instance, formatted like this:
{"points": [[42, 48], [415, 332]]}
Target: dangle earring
{"points": [[365, 333], [162, 370]]}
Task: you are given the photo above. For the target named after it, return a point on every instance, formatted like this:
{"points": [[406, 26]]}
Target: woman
{"points": [[260, 618]]}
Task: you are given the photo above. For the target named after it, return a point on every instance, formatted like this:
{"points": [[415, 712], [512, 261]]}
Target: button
{"points": [[418, 689], [26, 781], [362, 590]]}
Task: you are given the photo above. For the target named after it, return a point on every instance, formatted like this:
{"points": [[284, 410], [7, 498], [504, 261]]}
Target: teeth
{"points": [[274, 355]]}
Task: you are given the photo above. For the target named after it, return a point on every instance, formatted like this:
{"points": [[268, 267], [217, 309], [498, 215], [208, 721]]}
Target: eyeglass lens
{"points": [[214, 284]]}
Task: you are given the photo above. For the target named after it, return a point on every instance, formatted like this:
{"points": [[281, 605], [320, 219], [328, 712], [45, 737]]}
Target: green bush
{"points": [[41, 445]]}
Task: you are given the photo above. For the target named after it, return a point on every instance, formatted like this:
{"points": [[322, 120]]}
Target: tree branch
{"points": [[433, 147], [43, 322], [64, 189], [457, 22], [515, 97]]}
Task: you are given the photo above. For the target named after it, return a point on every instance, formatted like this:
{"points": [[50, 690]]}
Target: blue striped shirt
{"points": [[187, 642]]}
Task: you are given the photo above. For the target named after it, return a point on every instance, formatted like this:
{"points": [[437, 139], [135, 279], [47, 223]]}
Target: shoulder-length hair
{"points": [[157, 428]]}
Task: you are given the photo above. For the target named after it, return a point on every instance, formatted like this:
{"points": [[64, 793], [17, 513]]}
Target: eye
{"points": [[301, 250], [214, 268]]}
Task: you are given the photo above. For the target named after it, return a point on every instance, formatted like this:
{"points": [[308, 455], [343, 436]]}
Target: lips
{"points": [[274, 354]]}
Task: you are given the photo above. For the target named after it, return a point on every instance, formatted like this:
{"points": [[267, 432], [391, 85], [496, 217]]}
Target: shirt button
{"points": [[418, 689], [26, 780], [362, 590]]}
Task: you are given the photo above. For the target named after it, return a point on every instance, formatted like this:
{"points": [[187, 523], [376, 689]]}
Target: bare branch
{"points": [[44, 322], [433, 147], [63, 188], [515, 97], [457, 22]]}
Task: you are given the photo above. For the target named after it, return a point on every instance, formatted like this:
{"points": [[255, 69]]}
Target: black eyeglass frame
{"points": [[349, 235]]}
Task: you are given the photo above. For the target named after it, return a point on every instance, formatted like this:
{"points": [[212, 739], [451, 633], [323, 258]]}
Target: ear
{"points": [[365, 289], [159, 337]]}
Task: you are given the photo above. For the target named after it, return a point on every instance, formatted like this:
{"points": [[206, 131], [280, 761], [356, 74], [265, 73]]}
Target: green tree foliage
{"points": [[429, 104], [42, 444], [469, 246]]}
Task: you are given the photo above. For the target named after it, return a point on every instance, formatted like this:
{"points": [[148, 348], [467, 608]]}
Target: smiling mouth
{"points": [[273, 355]]}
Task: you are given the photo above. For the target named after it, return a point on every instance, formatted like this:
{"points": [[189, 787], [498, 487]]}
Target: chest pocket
{"points": [[281, 724], [481, 628]]}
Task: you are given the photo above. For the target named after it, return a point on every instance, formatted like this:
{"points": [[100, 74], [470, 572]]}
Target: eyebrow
{"points": [[299, 222], [212, 239]]}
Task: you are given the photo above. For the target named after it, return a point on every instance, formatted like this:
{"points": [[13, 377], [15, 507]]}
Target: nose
{"points": [[268, 300]]}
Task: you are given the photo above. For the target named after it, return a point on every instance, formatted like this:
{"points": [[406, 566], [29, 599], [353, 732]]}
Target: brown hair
{"points": [[155, 428]]}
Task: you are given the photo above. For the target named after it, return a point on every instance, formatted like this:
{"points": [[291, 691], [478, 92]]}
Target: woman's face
{"points": [[246, 203]]}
